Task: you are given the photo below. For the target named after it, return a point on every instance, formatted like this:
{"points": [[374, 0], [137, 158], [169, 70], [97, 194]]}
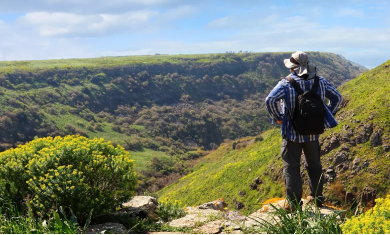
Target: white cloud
{"points": [[62, 24], [87, 6], [91, 28], [349, 12], [355, 44], [180, 12], [242, 21], [69, 24], [22, 43]]}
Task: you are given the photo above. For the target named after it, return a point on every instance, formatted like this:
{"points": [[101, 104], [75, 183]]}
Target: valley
{"points": [[166, 110]]}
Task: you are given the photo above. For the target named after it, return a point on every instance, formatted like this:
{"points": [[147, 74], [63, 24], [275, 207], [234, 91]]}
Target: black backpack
{"points": [[308, 116]]}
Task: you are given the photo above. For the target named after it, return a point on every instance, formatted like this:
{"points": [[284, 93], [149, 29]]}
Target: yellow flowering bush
{"points": [[169, 211], [376, 220], [70, 171]]}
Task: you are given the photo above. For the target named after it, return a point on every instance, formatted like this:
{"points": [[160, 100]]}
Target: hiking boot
{"points": [[318, 201], [291, 208]]}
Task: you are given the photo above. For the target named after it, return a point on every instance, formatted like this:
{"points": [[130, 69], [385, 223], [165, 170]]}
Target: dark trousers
{"points": [[291, 156]]}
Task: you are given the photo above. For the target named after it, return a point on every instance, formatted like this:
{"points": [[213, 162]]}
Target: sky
{"points": [[359, 30]]}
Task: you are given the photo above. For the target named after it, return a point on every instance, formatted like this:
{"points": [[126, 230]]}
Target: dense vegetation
{"points": [[355, 156], [166, 109], [72, 172]]}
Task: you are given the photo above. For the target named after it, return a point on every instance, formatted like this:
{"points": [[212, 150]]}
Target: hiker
{"points": [[303, 117]]}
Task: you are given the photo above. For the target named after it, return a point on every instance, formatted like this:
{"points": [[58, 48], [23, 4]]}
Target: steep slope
{"points": [[232, 174], [355, 157], [357, 151]]}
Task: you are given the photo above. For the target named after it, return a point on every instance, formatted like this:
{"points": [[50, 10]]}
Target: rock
{"points": [[369, 196], [142, 203], [258, 181], [165, 233], [355, 163], [365, 164], [266, 213], [106, 228], [376, 138], [132, 212], [219, 204], [386, 142], [239, 205], [345, 147], [342, 167], [330, 175], [122, 215], [212, 227], [237, 232], [329, 145], [347, 135], [334, 141], [252, 186], [346, 127], [194, 216], [373, 170], [340, 157], [363, 133], [231, 224]]}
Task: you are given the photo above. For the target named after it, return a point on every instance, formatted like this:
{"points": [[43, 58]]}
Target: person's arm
{"points": [[334, 97], [271, 102]]}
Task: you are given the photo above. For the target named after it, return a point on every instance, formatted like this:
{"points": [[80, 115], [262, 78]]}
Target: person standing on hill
{"points": [[303, 117]]}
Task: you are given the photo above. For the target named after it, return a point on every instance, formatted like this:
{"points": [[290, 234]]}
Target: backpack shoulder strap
{"points": [[294, 84], [316, 84]]}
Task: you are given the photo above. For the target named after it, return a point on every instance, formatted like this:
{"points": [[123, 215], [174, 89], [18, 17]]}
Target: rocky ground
{"points": [[209, 218]]}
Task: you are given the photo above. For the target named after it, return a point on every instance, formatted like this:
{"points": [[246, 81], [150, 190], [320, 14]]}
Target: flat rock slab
{"points": [[141, 201], [165, 233], [265, 214], [145, 203], [234, 222], [212, 227], [194, 216], [106, 228], [233, 232]]}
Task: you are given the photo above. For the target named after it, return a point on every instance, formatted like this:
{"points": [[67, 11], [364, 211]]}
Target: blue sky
{"points": [[51, 29]]}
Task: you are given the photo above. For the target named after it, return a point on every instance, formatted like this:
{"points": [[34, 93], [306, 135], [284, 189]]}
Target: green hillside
{"points": [[229, 174], [167, 109], [355, 157]]}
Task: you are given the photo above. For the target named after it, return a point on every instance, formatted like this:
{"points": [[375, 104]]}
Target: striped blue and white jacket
{"points": [[287, 96]]}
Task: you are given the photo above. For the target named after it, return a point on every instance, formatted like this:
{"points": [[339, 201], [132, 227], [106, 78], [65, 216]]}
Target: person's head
{"points": [[299, 62]]}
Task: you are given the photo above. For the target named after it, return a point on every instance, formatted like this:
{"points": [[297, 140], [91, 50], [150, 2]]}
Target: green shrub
{"points": [[259, 138], [72, 171], [169, 211]]}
